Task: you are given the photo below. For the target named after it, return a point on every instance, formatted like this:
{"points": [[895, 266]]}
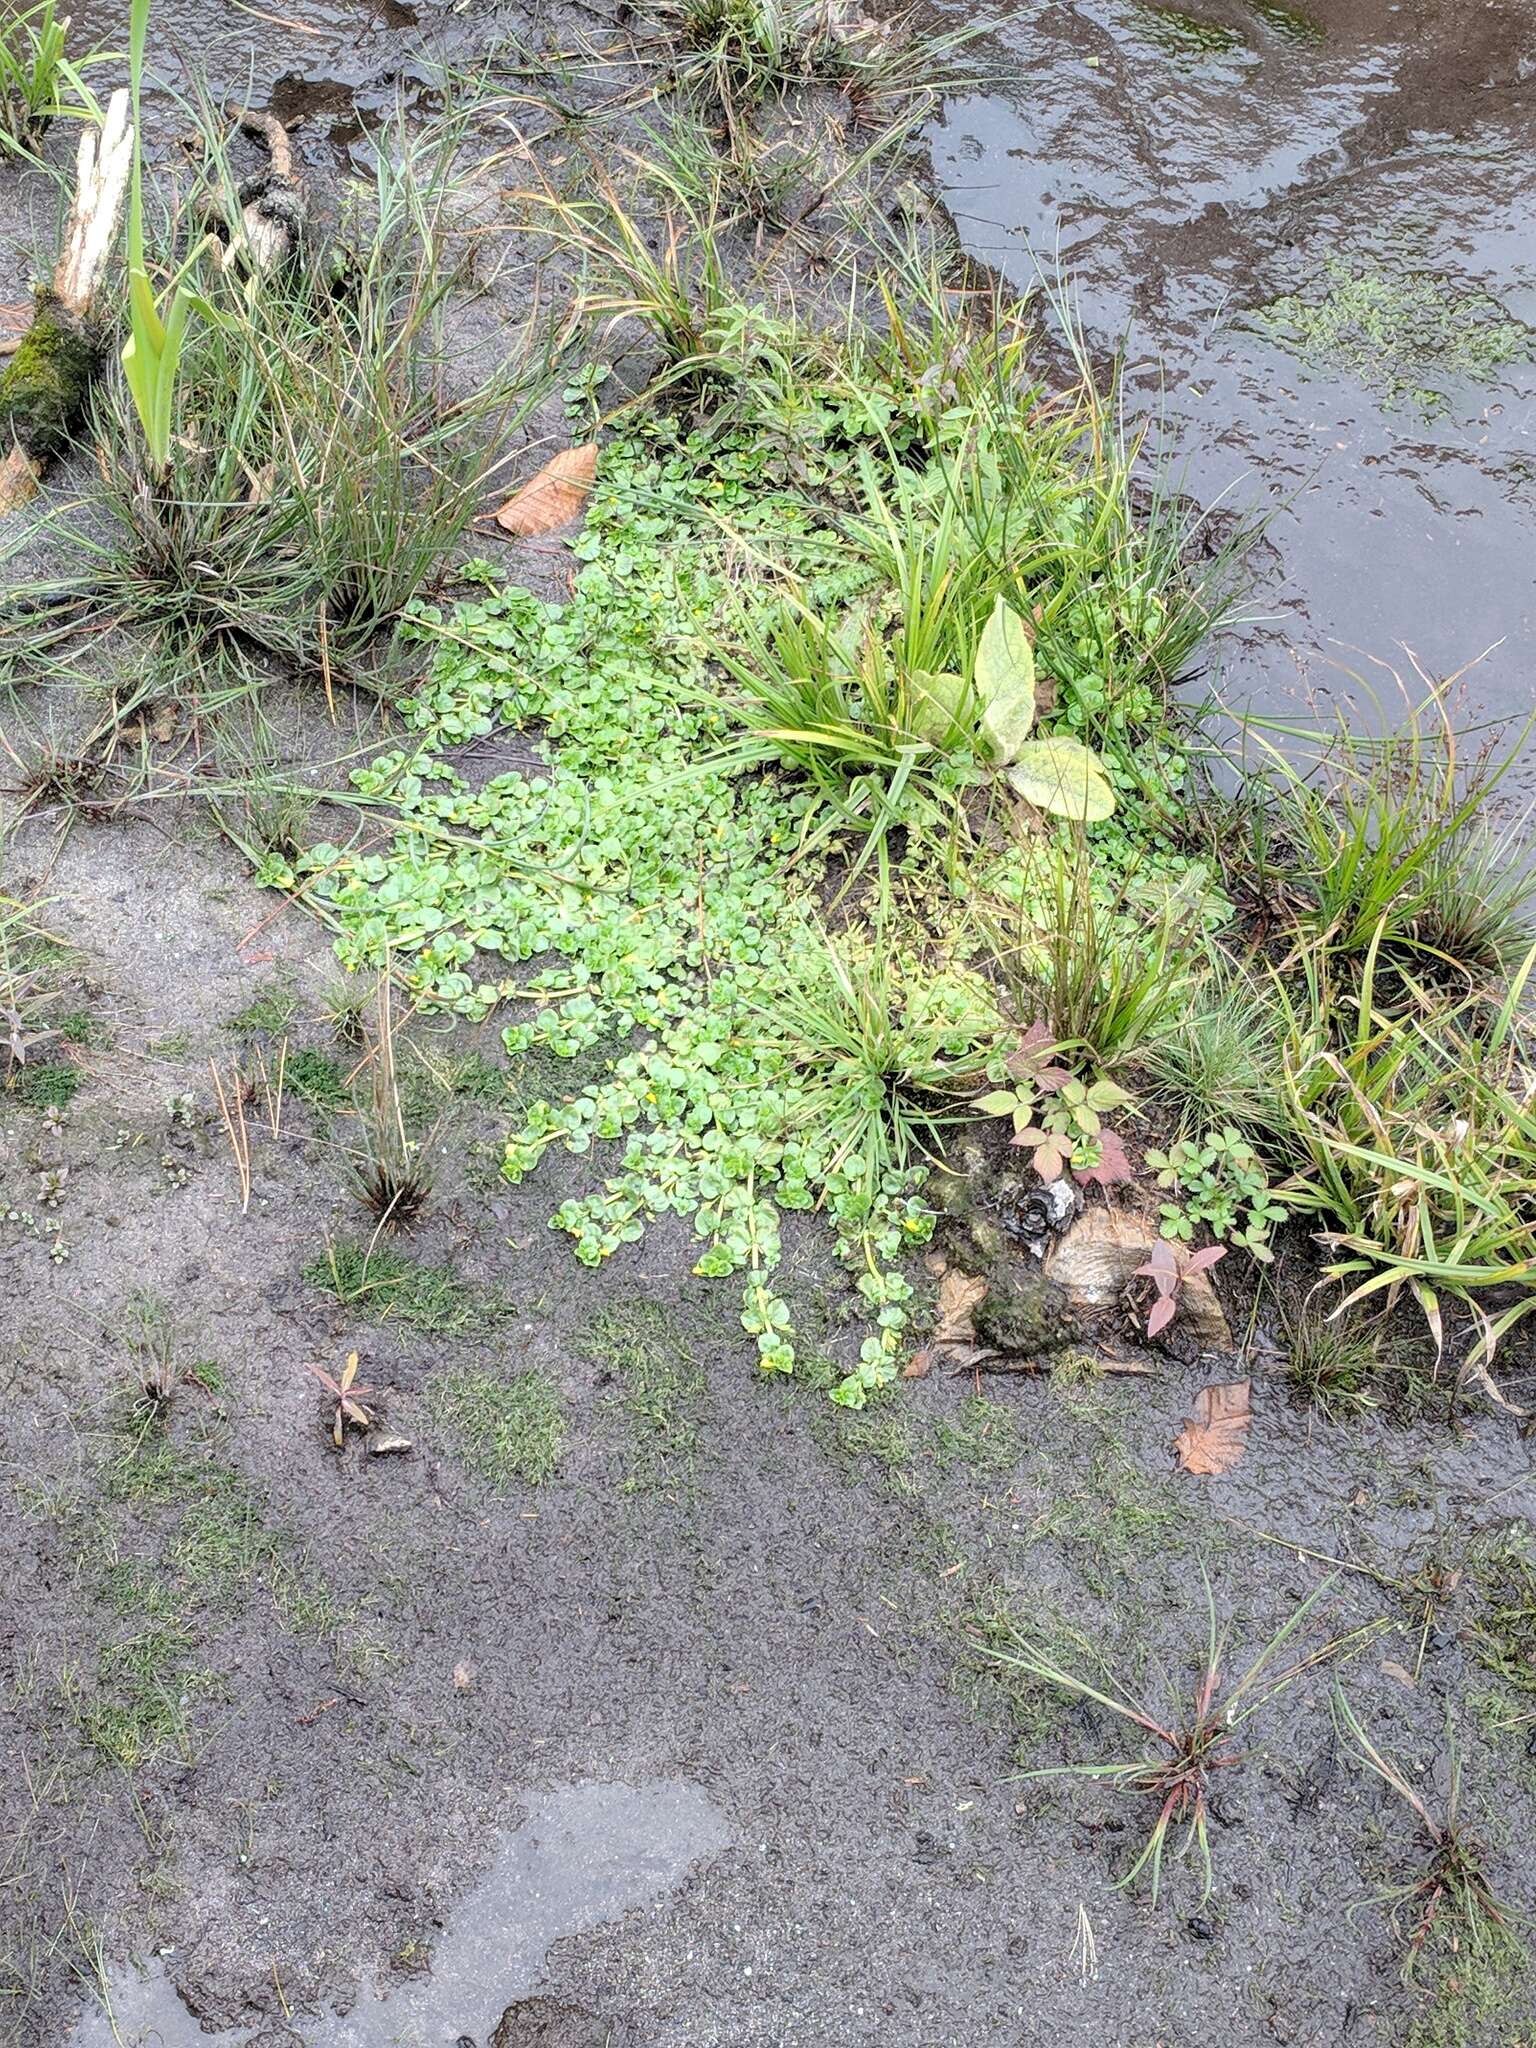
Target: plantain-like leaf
{"points": [[1063, 776], [1005, 682], [936, 701]]}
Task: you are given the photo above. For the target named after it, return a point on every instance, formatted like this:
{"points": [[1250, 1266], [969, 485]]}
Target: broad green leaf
{"points": [[1001, 1102], [1062, 776], [937, 701], [1005, 682]]}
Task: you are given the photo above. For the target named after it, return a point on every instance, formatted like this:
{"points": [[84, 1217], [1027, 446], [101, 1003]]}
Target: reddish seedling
{"points": [[349, 1394], [1168, 1266]]}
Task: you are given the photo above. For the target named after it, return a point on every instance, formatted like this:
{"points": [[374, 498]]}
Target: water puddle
{"points": [[586, 1854], [1320, 227]]}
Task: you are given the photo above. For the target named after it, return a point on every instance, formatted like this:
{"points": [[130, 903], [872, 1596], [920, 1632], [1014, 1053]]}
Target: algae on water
{"points": [[1184, 35], [1413, 337]]}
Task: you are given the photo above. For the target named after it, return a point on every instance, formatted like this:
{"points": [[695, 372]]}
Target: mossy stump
{"points": [[43, 387]]}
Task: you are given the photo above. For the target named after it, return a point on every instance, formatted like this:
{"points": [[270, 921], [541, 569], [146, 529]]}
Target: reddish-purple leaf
{"points": [[1162, 1314], [1050, 1158], [1114, 1164], [1199, 1261]]}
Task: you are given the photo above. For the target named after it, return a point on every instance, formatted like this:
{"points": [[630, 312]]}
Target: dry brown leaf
{"points": [[919, 1365], [557, 495], [19, 479], [959, 1294], [1216, 1435]]}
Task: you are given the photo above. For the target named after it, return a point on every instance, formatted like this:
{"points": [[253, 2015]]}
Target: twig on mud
{"points": [[235, 1129], [1343, 1564]]}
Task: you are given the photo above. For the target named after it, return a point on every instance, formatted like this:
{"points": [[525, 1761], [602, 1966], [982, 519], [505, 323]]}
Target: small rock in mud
{"points": [[1024, 1312], [1097, 1259], [386, 1443], [550, 2023]]}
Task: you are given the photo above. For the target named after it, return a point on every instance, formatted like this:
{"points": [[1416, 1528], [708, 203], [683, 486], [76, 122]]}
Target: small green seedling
{"points": [[1221, 1183]]}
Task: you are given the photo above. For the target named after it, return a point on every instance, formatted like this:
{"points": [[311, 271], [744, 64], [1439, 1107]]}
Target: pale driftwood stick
{"points": [[43, 387], [101, 179]]}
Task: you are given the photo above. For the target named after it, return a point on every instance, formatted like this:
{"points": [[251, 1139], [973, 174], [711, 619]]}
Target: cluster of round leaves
{"points": [[649, 880]]}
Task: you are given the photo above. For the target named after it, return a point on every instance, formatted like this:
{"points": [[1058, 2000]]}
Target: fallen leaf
{"points": [[554, 497], [959, 1295], [1215, 1436], [1394, 1670], [919, 1365]]}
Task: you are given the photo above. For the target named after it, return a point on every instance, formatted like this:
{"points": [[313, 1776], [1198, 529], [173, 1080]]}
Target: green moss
{"points": [[1504, 1633], [386, 1284], [1483, 1988], [316, 1079], [177, 1541], [507, 1430], [43, 387], [1185, 35], [1291, 24], [79, 1027], [663, 1393], [1414, 337], [271, 1011], [477, 1079], [46, 1084], [983, 1435], [145, 1685]]}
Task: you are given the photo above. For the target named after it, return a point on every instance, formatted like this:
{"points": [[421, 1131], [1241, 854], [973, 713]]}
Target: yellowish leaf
{"points": [[557, 495]]}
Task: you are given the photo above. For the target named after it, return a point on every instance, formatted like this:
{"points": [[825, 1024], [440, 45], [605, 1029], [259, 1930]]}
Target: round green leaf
{"points": [[1062, 776]]}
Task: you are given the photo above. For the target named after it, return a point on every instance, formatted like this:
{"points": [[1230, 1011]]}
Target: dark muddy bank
{"points": [[1318, 225], [688, 1737], [689, 1741]]}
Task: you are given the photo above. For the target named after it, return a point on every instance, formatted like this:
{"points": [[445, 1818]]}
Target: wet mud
{"points": [[1190, 170]]}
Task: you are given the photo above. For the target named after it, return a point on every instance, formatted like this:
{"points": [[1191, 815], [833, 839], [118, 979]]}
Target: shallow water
{"points": [[586, 1855], [1189, 168]]}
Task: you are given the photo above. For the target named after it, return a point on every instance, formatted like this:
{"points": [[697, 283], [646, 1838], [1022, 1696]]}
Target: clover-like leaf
{"points": [[1064, 777]]}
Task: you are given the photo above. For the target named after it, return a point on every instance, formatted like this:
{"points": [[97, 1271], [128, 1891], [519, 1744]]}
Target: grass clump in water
{"points": [[509, 1430], [1414, 337]]}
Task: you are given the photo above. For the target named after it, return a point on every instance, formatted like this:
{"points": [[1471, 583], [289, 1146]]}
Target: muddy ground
{"points": [[689, 1742], [688, 1736]]}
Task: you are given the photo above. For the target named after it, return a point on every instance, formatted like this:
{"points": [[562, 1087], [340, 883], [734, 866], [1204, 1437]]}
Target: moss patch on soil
{"points": [[509, 1429], [389, 1285]]}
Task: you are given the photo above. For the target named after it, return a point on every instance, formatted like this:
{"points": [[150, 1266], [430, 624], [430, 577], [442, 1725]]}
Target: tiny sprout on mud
{"points": [[349, 1395], [1452, 1893], [1180, 1757]]}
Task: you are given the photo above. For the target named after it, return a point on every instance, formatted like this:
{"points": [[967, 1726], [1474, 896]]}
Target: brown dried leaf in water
{"points": [[557, 495], [1216, 1435], [959, 1294]]}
